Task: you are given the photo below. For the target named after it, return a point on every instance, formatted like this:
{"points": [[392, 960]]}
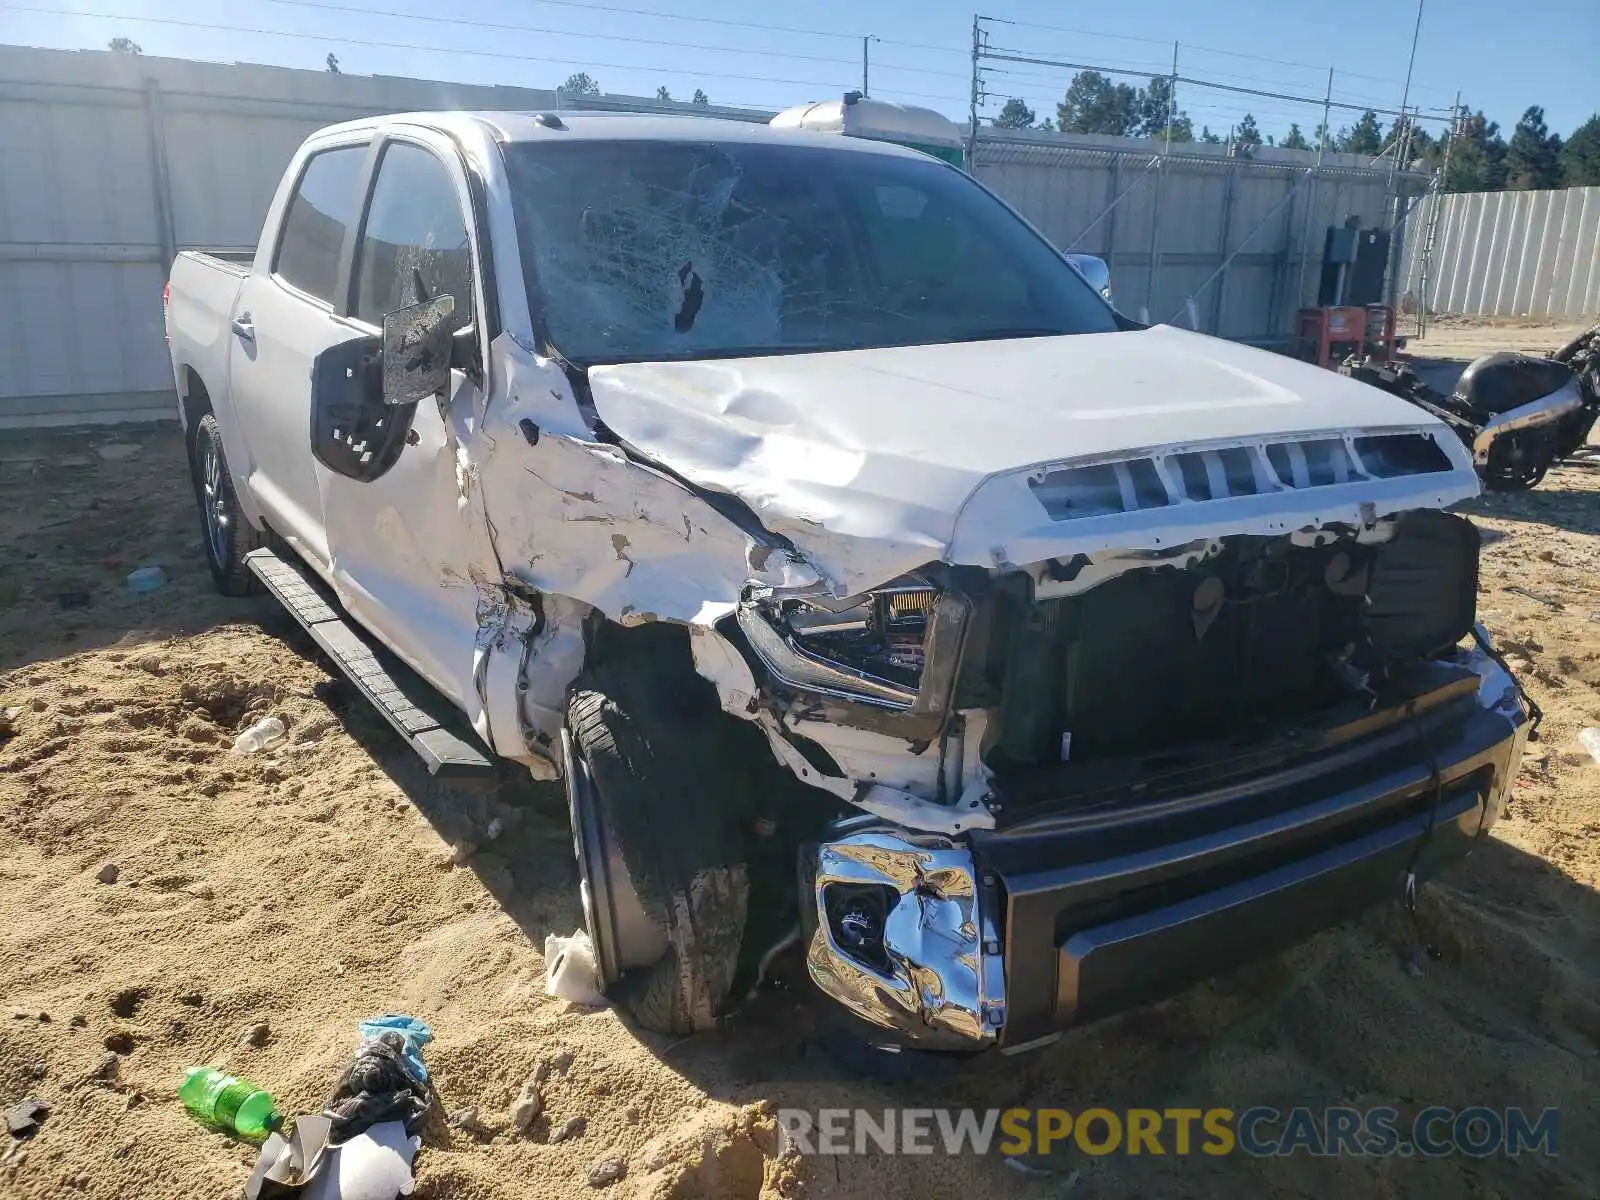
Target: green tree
{"points": [[580, 84], [1247, 137], [1294, 139], [124, 45], [1093, 104], [333, 64], [700, 98], [1364, 137], [1533, 156], [662, 94], [1580, 157], [1015, 114], [1208, 137], [1157, 110], [1477, 156]]}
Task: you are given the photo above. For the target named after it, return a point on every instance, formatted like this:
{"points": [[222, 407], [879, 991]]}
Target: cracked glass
{"points": [[639, 250]]}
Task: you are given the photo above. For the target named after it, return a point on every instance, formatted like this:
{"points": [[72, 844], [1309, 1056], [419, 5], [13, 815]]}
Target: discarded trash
{"points": [[146, 579], [229, 1103], [1548, 601], [373, 1165], [360, 1147], [414, 1033], [259, 736], [496, 828], [570, 972], [23, 1117], [1589, 739], [8, 720]]}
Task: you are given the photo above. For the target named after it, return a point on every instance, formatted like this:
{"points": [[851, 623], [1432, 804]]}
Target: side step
{"points": [[406, 700]]}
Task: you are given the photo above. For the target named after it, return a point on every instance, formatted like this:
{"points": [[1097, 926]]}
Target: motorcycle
{"points": [[1518, 413]]}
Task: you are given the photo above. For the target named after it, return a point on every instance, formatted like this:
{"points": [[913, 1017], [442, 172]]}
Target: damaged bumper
{"points": [[1089, 904]]}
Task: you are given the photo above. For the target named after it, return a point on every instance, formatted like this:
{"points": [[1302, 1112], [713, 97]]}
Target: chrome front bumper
{"points": [[904, 933], [905, 929], [1547, 410]]}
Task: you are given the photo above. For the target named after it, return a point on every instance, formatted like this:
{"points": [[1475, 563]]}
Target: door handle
{"points": [[243, 328]]}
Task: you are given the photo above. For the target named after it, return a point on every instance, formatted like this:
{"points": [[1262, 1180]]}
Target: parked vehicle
{"points": [[853, 563], [1518, 413]]}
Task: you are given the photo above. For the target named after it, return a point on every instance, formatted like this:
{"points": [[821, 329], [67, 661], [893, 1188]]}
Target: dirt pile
{"points": [[260, 906]]}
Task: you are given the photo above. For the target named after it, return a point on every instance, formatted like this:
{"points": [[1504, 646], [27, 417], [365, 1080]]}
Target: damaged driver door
{"points": [[404, 544]]}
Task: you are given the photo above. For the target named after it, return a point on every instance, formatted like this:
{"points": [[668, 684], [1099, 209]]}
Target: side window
{"points": [[414, 245], [323, 206]]}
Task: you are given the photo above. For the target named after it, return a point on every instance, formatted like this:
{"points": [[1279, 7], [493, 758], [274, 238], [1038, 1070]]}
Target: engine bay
{"points": [[1129, 653]]}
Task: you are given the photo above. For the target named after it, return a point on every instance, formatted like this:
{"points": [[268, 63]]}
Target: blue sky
{"points": [[779, 55]]}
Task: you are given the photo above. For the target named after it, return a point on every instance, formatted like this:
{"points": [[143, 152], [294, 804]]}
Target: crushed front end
{"points": [[1094, 780]]}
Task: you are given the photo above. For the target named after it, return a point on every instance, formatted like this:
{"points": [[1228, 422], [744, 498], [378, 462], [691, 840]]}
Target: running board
{"points": [[407, 701]]}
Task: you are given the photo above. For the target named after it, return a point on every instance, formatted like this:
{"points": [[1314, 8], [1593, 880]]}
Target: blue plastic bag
{"points": [[415, 1032]]}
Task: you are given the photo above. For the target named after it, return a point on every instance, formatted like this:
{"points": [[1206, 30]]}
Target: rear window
{"points": [[322, 209]]}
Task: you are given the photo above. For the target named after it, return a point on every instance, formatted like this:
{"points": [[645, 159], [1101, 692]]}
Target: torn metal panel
{"points": [[874, 462]]}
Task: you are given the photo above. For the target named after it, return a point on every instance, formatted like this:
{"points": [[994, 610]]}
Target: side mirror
{"points": [[416, 350], [1094, 270]]}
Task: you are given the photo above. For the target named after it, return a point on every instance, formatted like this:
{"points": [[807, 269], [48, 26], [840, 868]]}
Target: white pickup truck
{"points": [[875, 588]]}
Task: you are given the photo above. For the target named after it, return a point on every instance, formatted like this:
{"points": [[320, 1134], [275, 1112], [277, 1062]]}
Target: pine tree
{"points": [[1533, 156], [1093, 104], [1015, 114], [579, 84], [1294, 139], [1580, 156]]}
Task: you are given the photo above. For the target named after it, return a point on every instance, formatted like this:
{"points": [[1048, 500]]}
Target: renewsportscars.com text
{"points": [[1260, 1131]]}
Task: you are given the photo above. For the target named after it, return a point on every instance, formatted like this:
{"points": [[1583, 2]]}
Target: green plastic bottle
{"points": [[230, 1103]]}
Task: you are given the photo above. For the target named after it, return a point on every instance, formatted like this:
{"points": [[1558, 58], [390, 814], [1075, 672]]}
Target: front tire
{"points": [[655, 811], [228, 536]]}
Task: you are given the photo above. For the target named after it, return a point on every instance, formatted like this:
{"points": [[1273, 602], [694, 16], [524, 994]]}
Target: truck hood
{"points": [[874, 462]]}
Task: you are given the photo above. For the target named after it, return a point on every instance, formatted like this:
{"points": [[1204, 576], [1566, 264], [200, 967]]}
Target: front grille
{"points": [[1206, 475]]}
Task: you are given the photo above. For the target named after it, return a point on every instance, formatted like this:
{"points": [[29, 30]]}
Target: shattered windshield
{"points": [[642, 251]]}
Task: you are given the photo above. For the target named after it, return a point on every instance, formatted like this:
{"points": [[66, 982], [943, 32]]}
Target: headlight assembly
{"points": [[896, 647]]}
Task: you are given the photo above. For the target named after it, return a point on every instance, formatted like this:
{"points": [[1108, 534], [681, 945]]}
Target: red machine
{"points": [[1327, 336]]}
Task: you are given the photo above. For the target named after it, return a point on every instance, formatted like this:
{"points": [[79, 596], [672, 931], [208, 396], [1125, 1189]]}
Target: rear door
{"points": [[409, 560], [288, 311]]}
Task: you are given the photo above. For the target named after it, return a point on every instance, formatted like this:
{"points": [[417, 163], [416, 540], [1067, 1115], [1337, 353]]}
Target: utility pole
{"points": [[864, 42], [972, 104], [1155, 201], [1441, 180], [1316, 182]]}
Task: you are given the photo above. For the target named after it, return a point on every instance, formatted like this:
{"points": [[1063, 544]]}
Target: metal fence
{"points": [[1509, 254], [1231, 246], [110, 164]]}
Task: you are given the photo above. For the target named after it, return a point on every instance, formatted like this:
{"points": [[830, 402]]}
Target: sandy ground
{"points": [[303, 889]]}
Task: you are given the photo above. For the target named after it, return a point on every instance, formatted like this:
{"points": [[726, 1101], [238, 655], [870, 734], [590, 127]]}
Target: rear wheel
{"points": [[655, 804], [1516, 463], [228, 536]]}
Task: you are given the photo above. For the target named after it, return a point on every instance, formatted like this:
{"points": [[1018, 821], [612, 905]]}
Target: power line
{"points": [[606, 8], [1121, 37], [335, 39]]}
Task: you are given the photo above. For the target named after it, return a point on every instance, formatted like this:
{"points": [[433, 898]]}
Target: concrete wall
{"points": [[1510, 254], [110, 164]]}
